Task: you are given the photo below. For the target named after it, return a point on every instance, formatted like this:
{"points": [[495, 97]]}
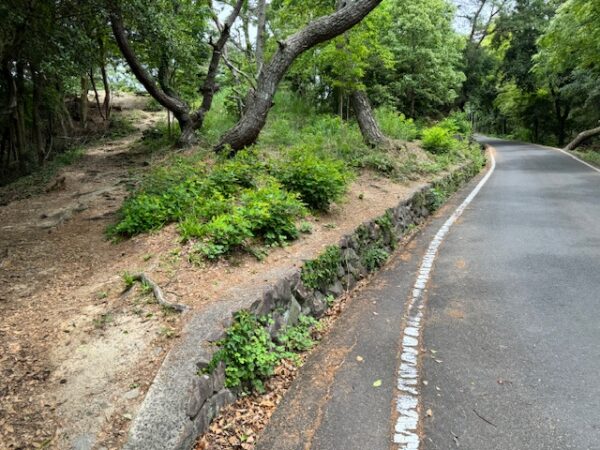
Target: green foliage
{"points": [[298, 338], [437, 140], [457, 123], [249, 354], [272, 213], [240, 172], [395, 125], [322, 271], [374, 257], [120, 126], [128, 279], [305, 227], [436, 197], [159, 137], [318, 181]]}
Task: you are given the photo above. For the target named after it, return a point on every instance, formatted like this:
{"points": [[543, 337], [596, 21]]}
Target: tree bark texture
{"points": [[369, 128], [260, 100], [261, 19], [582, 137]]}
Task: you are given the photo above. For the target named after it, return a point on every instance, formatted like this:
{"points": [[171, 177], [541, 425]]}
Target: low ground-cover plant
{"points": [[250, 354], [322, 271]]}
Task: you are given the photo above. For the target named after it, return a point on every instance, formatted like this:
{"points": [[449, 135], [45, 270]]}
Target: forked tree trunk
{"points": [[582, 137], [188, 122], [260, 100], [369, 128]]}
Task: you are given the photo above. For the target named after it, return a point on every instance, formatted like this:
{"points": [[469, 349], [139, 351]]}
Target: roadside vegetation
{"points": [[302, 165]]}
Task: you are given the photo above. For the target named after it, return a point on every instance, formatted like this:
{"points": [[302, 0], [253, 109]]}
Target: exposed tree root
{"points": [[158, 293]]}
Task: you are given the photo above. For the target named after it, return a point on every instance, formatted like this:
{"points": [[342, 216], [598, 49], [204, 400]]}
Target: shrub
{"points": [[457, 123], [322, 271], [396, 125], [272, 213], [239, 172], [380, 162], [249, 354], [437, 140], [143, 212], [224, 233], [319, 181]]}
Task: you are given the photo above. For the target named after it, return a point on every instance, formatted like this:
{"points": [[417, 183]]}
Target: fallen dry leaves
{"points": [[239, 425]]}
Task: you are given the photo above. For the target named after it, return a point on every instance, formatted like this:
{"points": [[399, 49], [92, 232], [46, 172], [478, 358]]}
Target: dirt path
{"points": [[56, 271]]}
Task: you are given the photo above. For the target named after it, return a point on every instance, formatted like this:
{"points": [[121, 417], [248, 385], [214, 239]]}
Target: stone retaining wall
{"points": [[289, 297]]}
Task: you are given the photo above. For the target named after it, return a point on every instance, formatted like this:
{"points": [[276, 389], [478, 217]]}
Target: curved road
{"points": [[511, 333]]}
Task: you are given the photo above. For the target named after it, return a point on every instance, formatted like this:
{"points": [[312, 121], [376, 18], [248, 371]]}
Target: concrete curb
{"points": [[180, 405]]}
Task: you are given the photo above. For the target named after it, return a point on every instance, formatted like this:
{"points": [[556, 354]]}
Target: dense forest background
{"points": [[528, 69]]}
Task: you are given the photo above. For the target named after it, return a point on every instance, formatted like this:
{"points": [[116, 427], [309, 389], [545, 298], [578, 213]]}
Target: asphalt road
{"points": [[511, 334]]}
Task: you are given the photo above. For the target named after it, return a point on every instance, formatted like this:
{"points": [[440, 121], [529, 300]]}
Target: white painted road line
{"points": [[572, 156], [408, 402]]}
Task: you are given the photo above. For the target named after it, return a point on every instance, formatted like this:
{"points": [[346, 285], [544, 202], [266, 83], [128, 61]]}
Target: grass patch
{"points": [[590, 156]]}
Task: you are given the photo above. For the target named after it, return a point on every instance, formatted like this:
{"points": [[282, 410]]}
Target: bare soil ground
{"points": [[77, 356]]}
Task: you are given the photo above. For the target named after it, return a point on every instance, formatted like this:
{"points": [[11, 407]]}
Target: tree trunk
{"points": [[259, 101], [261, 16], [366, 121], [83, 102], [188, 122], [36, 98], [22, 144], [179, 108], [209, 87], [581, 137], [106, 102], [96, 97]]}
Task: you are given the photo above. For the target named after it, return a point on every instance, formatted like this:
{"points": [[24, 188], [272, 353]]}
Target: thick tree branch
{"points": [[179, 108], [259, 101], [581, 137]]}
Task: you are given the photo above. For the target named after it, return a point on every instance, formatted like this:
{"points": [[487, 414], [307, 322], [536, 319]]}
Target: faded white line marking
{"points": [[571, 156], [407, 405]]}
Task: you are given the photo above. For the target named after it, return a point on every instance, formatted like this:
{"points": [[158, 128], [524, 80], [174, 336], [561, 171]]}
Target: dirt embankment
{"points": [[77, 356]]}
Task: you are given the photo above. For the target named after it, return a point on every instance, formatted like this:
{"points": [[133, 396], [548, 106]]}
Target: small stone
{"points": [[201, 389], [318, 305], [336, 289], [283, 292], [215, 335], [223, 398], [218, 377], [293, 312], [133, 393], [202, 364], [302, 293]]}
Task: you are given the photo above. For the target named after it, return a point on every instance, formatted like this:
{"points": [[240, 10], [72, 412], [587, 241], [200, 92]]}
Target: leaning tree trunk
{"points": [[581, 137], [260, 100], [261, 18], [369, 128]]}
